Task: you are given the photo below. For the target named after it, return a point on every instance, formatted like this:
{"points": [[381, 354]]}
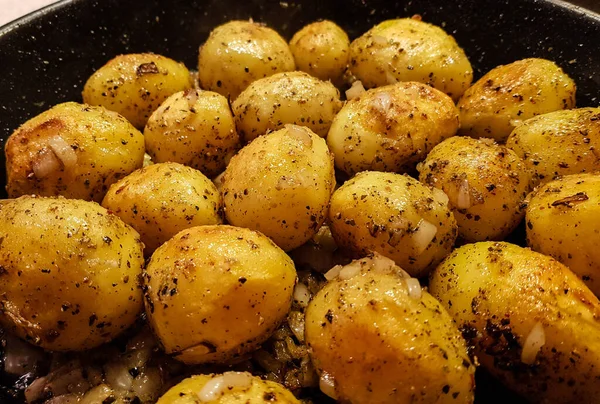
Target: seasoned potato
{"points": [[162, 199], [216, 292], [286, 98], [510, 94], [391, 128], [280, 184], [194, 128], [559, 143], [394, 215], [408, 49], [375, 337], [322, 49], [240, 52], [486, 184], [135, 85], [227, 388], [530, 321], [68, 273], [73, 150]]}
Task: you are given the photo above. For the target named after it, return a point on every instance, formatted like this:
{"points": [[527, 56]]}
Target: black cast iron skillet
{"points": [[46, 57]]}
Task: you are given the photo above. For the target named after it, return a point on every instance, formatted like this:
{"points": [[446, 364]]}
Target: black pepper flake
{"points": [[269, 396], [329, 316], [92, 319], [107, 240], [242, 280], [147, 68], [570, 200]]}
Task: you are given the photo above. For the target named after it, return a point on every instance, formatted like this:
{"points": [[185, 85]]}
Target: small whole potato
{"points": [[559, 143], [529, 320], [485, 183], [68, 273], [162, 199], [396, 216], [391, 128], [409, 49], [214, 293], [73, 150], [280, 184], [240, 52], [194, 128], [297, 98], [511, 94], [134, 85], [321, 49]]}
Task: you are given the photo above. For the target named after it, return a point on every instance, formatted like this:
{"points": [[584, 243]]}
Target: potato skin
{"points": [[497, 292], [194, 128], [106, 146], [495, 179], [382, 212], [134, 85], [280, 184], [162, 199], [512, 93], [559, 143], [240, 52], [391, 128], [297, 98], [68, 273], [408, 49], [214, 293]]}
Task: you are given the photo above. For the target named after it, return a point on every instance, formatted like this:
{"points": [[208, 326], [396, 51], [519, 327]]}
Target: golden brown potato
{"points": [[240, 52], [194, 128], [486, 184], [135, 85], [391, 128], [73, 150], [512, 93], [531, 322], [68, 273]]}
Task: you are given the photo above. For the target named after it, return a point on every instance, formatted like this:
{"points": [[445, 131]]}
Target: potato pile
{"points": [[346, 202]]}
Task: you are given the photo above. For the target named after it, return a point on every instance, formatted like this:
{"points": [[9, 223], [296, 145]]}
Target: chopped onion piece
{"points": [[296, 323], [488, 141], [463, 200], [327, 385], [383, 264], [390, 78], [218, 181], [382, 102], [350, 271], [45, 163], [423, 235], [36, 389], [63, 151], [301, 295], [20, 357], [534, 341], [440, 196], [355, 91], [414, 288], [147, 160], [118, 376], [379, 40], [299, 133], [217, 385], [97, 395], [333, 272]]}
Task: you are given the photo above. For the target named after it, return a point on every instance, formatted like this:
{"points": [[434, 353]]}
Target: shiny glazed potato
{"points": [[214, 293], [68, 273], [486, 184], [280, 184], [396, 216], [562, 221], [510, 94], [376, 338], [73, 150], [162, 199], [286, 98], [135, 85], [391, 128], [194, 128], [321, 49], [227, 388], [559, 143], [408, 49], [531, 322], [240, 52]]}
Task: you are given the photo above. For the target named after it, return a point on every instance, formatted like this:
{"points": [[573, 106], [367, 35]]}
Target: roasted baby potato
{"points": [[559, 143], [531, 322], [280, 184], [486, 184], [375, 337], [391, 128], [135, 85], [511, 94], [394, 215], [194, 128], [240, 52], [162, 199], [408, 49], [73, 150], [214, 293], [68, 273], [286, 98]]}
